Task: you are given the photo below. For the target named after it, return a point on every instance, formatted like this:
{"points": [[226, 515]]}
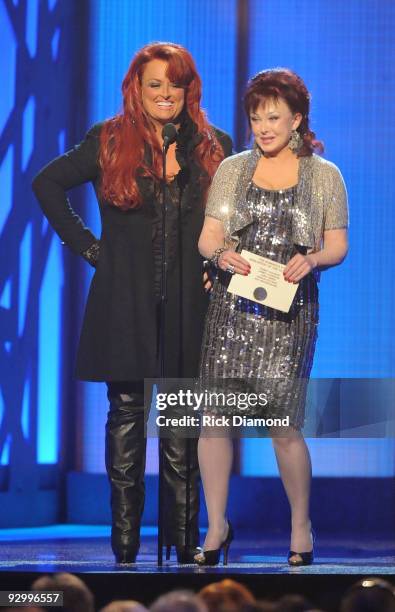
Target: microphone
{"points": [[169, 134]]}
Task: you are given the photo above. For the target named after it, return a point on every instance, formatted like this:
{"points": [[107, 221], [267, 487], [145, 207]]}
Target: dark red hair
{"points": [[226, 595], [123, 138], [282, 83]]}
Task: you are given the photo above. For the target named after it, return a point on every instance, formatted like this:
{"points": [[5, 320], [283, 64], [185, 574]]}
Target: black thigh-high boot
{"points": [[181, 496], [125, 464]]}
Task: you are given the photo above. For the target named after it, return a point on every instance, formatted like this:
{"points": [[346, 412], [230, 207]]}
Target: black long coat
{"points": [[118, 341]]}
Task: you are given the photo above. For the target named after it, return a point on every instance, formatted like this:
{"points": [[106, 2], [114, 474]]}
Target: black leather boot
{"points": [[181, 497], [125, 464]]}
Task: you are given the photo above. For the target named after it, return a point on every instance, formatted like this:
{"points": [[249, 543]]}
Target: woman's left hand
{"points": [[207, 282], [299, 266]]}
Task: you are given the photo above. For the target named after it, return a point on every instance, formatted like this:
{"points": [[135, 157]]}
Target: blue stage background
{"points": [[62, 63]]}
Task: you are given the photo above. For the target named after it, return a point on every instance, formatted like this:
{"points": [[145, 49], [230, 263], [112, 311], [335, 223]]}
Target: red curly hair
{"points": [[283, 83], [123, 138]]}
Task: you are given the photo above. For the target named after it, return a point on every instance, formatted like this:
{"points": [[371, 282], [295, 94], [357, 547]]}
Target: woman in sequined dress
{"points": [[281, 201]]}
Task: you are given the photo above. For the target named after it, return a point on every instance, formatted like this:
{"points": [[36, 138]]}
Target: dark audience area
{"points": [[370, 594]]}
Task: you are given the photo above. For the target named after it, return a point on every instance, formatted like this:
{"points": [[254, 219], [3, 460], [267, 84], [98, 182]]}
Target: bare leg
{"points": [[215, 460], [294, 463]]}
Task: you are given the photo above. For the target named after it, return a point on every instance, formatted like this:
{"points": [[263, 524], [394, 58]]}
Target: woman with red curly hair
{"points": [[284, 203], [118, 343]]}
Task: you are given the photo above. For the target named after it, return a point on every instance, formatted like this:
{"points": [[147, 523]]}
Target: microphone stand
{"points": [[169, 134], [163, 299]]}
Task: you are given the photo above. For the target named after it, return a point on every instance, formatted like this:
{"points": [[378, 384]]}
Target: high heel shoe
{"points": [[306, 558], [211, 557], [185, 554]]}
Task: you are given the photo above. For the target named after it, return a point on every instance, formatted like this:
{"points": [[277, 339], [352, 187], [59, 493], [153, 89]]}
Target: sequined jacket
{"points": [[321, 198]]}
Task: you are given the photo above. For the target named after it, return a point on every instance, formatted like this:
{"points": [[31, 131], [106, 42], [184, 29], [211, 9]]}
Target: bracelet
{"points": [[91, 255], [216, 255]]}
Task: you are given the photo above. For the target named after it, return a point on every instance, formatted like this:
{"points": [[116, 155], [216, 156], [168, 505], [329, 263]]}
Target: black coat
{"points": [[118, 341]]}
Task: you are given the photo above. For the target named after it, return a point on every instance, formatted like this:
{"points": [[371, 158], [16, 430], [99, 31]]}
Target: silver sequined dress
{"points": [[260, 349]]}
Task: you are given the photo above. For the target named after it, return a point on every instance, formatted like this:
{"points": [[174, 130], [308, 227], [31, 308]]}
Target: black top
{"points": [[118, 337], [173, 218]]}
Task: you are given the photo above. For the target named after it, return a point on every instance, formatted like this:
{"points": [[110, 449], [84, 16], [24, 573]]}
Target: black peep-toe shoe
{"points": [[185, 554], [305, 558], [211, 557]]}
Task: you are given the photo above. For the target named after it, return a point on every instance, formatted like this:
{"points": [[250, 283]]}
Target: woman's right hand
{"points": [[231, 261]]}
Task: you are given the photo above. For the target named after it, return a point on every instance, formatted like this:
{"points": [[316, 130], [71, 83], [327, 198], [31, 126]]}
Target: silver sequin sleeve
{"points": [[321, 200], [222, 191], [336, 208]]}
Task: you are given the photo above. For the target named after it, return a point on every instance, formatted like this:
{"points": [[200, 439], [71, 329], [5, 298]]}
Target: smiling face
{"points": [[272, 123], [162, 100]]}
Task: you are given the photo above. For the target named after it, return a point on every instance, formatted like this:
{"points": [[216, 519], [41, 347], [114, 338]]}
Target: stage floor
{"points": [[86, 549]]}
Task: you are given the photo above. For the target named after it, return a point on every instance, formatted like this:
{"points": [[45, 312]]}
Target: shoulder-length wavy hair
{"points": [[283, 83], [124, 138]]}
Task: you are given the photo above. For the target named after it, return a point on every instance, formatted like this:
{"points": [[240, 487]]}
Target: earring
{"points": [[296, 141]]}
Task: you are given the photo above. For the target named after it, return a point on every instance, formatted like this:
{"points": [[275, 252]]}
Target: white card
{"points": [[265, 284]]}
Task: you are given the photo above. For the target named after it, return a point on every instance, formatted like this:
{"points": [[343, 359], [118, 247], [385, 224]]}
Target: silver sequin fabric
{"points": [[320, 203], [253, 347]]}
